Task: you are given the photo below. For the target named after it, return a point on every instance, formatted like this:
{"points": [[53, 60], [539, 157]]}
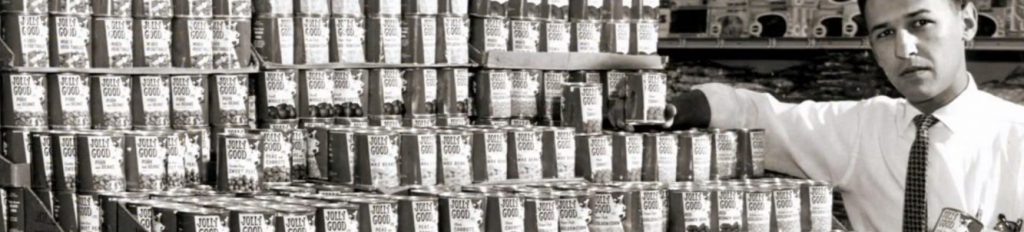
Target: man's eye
{"points": [[921, 22], [884, 33]]}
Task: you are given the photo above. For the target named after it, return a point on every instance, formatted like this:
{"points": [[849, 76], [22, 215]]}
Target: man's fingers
{"points": [[670, 115]]}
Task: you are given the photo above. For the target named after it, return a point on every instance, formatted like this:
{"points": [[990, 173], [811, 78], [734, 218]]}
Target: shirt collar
{"points": [[954, 116]]}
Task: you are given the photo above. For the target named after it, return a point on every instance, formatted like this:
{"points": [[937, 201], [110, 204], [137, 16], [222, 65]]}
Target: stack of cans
{"points": [[232, 33]]}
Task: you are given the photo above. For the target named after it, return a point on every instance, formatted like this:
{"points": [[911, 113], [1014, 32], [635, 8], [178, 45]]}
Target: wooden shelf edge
{"points": [[272, 66], [570, 61]]}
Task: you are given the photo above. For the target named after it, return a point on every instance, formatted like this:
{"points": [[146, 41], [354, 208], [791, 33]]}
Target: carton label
{"points": [[466, 215], [497, 159], [383, 152], [512, 214], [351, 36], [119, 42], [156, 42], [315, 38], [495, 34]]}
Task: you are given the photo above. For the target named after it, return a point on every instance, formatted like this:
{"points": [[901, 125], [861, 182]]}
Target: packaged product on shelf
{"points": [[101, 162], [152, 8], [384, 7], [453, 92], [90, 213], [19, 145], [549, 100], [174, 177], [498, 122], [347, 38], [316, 93], [274, 8], [189, 101], [151, 42], [69, 49], [609, 206], [505, 212], [594, 157], [660, 157], [453, 39], [386, 121], [234, 8], [643, 37], [342, 161], [145, 158], [586, 36], [71, 6], [488, 34], [347, 8], [275, 162], [627, 156], [554, 36], [493, 94], [613, 84], [620, 9], [232, 42], [573, 210], [318, 151], [730, 22], [238, 165], [489, 8], [589, 9], [758, 207], [524, 35], [648, 90], [228, 93], [652, 207], [541, 211], [453, 7], [202, 219], [525, 9], [723, 154], [695, 159], [24, 100], [64, 154], [645, 9], [420, 121], [419, 157], [557, 10], [384, 39], [452, 121], [585, 77], [615, 37], [419, 7], [141, 208], [389, 83], [112, 8], [521, 122], [816, 205], [377, 214], [490, 155], [786, 207], [274, 39], [378, 159], [297, 154], [690, 207], [455, 149], [350, 94], [524, 154], [193, 8], [312, 35], [336, 216], [192, 43], [250, 218], [419, 38], [420, 92], [277, 95], [27, 37], [558, 152], [152, 106], [727, 207], [27, 6], [524, 92], [217, 131], [462, 212], [750, 151], [195, 153], [582, 107], [110, 101]]}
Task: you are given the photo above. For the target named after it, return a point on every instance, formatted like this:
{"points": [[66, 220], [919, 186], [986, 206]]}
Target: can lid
{"points": [[461, 195], [248, 209], [412, 198], [570, 193]]}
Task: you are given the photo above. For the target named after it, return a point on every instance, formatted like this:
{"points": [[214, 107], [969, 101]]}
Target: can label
{"points": [[466, 215], [547, 215], [276, 164], [34, 39], [196, 149], [242, 158], [565, 146], [119, 42], [383, 160], [72, 49], [600, 158], [393, 85], [621, 38], [501, 91], [106, 156], [725, 149], [612, 81], [608, 212], [635, 157], [428, 35], [495, 34], [647, 37], [297, 155], [497, 160], [528, 149], [588, 36], [200, 43], [346, 7], [525, 87], [156, 8], [552, 92], [206, 223], [759, 211], [156, 41], [821, 208], [701, 158], [391, 40], [455, 159], [297, 223], [428, 159], [573, 215], [730, 210], [351, 36], [525, 35], [654, 210], [350, 92], [787, 210], [668, 153], [155, 100], [286, 39], [425, 218], [315, 38], [89, 213], [175, 166], [281, 94], [28, 99], [199, 8], [252, 222], [383, 217], [557, 36], [188, 97], [512, 214], [430, 90], [758, 148], [144, 214], [340, 220], [240, 8], [225, 38], [319, 96], [696, 211], [456, 34], [69, 161], [44, 144], [591, 102], [654, 92], [232, 91], [150, 157]]}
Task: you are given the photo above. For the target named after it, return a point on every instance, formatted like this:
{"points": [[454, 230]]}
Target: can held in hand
{"points": [[488, 34], [390, 85], [462, 212], [231, 42], [145, 159], [419, 38], [27, 36], [695, 159], [379, 159], [690, 207], [594, 157], [277, 95], [419, 156], [312, 35], [453, 39], [490, 155], [274, 38], [751, 146], [233, 8], [238, 169], [648, 91], [347, 39], [628, 156], [582, 107], [111, 98], [194, 8], [586, 35], [71, 46], [420, 91], [228, 94], [493, 94], [661, 153], [151, 42], [350, 94], [193, 42], [455, 149], [24, 100], [384, 39], [101, 162], [317, 98], [153, 8], [723, 154], [559, 152], [152, 106]]}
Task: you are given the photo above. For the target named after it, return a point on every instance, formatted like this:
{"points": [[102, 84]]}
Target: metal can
{"points": [[495, 122], [554, 36], [318, 151], [27, 6], [64, 156], [690, 207], [541, 212], [614, 82], [498, 8], [723, 154], [378, 159], [360, 122], [505, 212], [377, 214], [524, 34], [420, 92], [274, 8], [233, 8], [490, 155], [609, 207], [238, 167], [317, 98], [695, 159], [524, 154], [350, 94], [386, 121], [418, 213], [90, 214], [112, 8], [196, 156], [573, 211], [383, 39], [550, 98], [643, 37], [274, 38], [195, 8], [347, 38], [493, 94], [250, 218], [585, 77], [419, 37], [648, 91], [202, 219], [189, 101], [151, 42], [389, 84], [628, 156], [594, 157], [385, 7], [312, 35], [101, 162], [293, 217], [589, 9], [488, 34], [142, 210], [110, 204], [231, 41], [153, 8], [339, 217], [24, 100], [27, 37], [312, 7], [455, 152], [586, 35], [453, 39], [651, 206], [816, 205], [152, 106], [525, 93], [18, 145], [277, 95], [193, 42], [786, 207], [228, 93], [174, 166], [661, 153], [420, 121], [452, 121], [111, 102], [341, 165], [615, 37], [41, 161], [558, 153], [758, 208], [275, 163], [555, 10], [419, 156], [582, 107], [524, 8], [145, 161], [347, 8], [727, 205], [453, 7], [71, 6], [751, 146], [462, 212]]}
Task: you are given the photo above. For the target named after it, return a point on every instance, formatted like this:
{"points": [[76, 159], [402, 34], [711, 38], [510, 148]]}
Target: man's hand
{"points": [[624, 102]]}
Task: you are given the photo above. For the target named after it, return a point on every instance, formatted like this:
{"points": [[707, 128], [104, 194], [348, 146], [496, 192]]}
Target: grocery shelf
{"points": [[273, 66], [980, 44], [570, 61], [135, 71]]}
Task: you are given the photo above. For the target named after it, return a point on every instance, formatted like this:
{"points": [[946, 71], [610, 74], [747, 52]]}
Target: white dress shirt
{"points": [[862, 147]]}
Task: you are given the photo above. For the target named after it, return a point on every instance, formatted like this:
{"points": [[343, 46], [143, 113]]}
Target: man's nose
{"points": [[906, 44]]}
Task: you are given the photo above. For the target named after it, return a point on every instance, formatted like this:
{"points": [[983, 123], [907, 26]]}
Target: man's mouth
{"points": [[913, 70]]}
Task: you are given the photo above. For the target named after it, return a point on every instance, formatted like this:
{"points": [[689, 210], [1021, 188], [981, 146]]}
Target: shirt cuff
{"points": [[692, 110], [723, 105]]}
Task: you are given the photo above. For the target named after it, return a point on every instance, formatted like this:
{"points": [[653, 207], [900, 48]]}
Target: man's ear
{"points": [[969, 15]]}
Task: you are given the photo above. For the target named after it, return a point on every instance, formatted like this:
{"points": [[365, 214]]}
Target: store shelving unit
{"points": [[980, 44]]}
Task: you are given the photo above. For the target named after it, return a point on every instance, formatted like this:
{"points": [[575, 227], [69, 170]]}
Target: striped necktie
{"points": [[915, 206]]}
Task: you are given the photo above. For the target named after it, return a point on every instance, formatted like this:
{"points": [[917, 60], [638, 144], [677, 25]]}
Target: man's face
{"points": [[919, 44]]}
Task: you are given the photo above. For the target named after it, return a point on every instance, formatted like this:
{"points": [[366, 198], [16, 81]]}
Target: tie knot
{"points": [[925, 121]]}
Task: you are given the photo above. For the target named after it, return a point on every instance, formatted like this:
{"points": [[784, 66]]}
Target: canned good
{"points": [[110, 205], [337, 217], [727, 207], [582, 107], [152, 109], [586, 35], [202, 219], [228, 93], [573, 211], [27, 6], [40, 161], [71, 6], [695, 159], [648, 92], [453, 39], [360, 122], [497, 8], [383, 38], [758, 208], [589, 9], [174, 166], [418, 213], [585, 77], [609, 207], [24, 100], [525, 91], [493, 94], [69, 49], [690, 207], [386, 121], [541, 212], [27, 36], [231, 41], [628, 156], [377, 214], [661, 153], [452, 121], [488, 34], [317, 99], [193, 42], [643, 37], [419, 37], [274, 38], [277, 95], [505, 212], [750, 149], [250, 218], [347, 38], [421, 100], [347, 8], [651, 207], [385, 7], [141, 209], [151, 42], [293, 217], [111, 102], [112, 8], [420, 121], [723, 154], [419, 156], [311, 38], [274, 8], [786, 208], [189, 101], [455, 152], [594, 157], [18, 146], [524, 154], [378, 159], [555, 10], [342, 161], [554, 36], [239, 170], [816, 205], [101, 162], [390, 84], [525, 8], [525, 34], [614, 82], [90, 213], [558, 154], [234, 8], [153, 8], [145, 159], [196, 156], [549, 100], [462, 212], [318, 151], [490, 155], [350, 93], [196, 8], [64, 156], [275, 163], [312, 7]]}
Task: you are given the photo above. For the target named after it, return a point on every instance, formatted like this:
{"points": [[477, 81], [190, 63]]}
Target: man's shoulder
{"points": [[1001, 110]]}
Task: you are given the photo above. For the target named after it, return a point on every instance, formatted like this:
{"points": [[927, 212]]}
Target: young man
{"points": [[898, 162]]}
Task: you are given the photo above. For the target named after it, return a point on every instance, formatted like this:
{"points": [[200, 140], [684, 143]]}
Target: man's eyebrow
{"points": [[908, 15]]}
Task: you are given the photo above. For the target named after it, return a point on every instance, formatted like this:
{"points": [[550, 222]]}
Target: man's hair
{"points": [[958, 4]]}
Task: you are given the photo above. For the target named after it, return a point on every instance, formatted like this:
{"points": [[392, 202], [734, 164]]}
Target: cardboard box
{"points": [[728, 22], [779, 21], [685, 22]]}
